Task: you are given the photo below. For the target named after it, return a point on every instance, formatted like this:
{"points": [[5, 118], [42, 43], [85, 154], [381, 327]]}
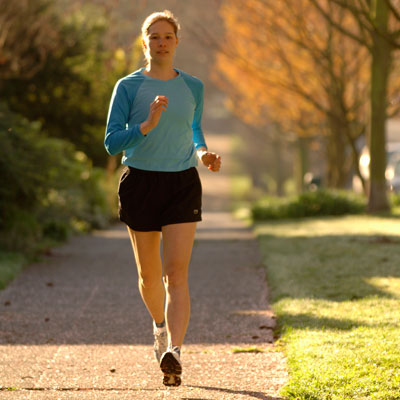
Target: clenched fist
{"points": [[211, 160]]}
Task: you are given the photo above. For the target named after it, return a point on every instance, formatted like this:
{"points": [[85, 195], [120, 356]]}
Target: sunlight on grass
{"points": [[389, 285], [348, 225], [335, 287], [247, 350]]}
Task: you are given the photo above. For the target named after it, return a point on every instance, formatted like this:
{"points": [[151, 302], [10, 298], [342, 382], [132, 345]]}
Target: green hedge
{"points": [[395, 199], [309, 204], [48, 189]]}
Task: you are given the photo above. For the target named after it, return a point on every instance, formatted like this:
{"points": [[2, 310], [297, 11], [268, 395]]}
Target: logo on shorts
{"points": [[195, 212]]}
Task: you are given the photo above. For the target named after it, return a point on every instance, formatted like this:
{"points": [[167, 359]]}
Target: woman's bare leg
{"points": [[177, 249], [146, 247]]}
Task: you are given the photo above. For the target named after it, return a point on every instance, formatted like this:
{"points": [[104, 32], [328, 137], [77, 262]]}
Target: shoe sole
{"points": [[172, 370], [172, 380]]}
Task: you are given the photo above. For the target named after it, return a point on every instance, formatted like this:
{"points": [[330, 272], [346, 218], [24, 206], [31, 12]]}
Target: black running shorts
{"points": [[148, 200]]}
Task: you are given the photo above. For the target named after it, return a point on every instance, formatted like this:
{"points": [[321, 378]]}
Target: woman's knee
{"points": [[176, 277], [149, 281]]}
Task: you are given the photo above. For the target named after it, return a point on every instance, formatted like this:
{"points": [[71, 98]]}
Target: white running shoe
{"points": [[160, 341], [171, 366]]}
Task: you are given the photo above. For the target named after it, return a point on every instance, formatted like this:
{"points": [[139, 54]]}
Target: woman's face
{"points": [[161, 42]]}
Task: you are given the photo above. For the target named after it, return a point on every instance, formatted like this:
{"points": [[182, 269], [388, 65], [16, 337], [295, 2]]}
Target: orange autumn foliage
{"points": [[281, 62]]}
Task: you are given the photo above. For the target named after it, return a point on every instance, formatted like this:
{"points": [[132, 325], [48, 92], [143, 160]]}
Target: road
{"points": [[73, 326]]}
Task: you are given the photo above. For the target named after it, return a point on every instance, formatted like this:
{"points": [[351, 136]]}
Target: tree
{"points": [[378, 30], [69, 89], [69, 93], [28, 34], [47, 186], [295, 69]]}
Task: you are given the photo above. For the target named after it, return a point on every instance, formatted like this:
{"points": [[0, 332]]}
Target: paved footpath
{"points": [[73, 326]]}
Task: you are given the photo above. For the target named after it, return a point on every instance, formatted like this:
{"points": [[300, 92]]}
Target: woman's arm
{"points": [[118, 136]]}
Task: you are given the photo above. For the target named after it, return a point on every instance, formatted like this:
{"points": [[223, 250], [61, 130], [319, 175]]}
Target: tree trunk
{"points": [[301, 163], [337, 155], [355, 161], [278, 166], [380, 70]]}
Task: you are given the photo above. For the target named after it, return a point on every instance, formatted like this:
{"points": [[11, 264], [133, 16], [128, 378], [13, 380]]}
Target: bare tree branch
{"points": [[348, 6], [365, 21], [346, 32], [365, 5], [361, 15], [393, 9]]}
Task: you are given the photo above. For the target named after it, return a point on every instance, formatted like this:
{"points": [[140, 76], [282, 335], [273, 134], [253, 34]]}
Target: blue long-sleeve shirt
{"points": [[171, 145]]}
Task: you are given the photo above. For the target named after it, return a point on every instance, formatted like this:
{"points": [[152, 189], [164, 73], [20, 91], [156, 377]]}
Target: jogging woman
{"points": [[155, 119]]}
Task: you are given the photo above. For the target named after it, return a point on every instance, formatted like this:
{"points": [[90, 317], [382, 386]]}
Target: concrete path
{"points": [[73, 326]]}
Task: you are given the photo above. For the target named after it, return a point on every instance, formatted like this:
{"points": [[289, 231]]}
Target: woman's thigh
{"points": [[146, 247], [177, 249]]}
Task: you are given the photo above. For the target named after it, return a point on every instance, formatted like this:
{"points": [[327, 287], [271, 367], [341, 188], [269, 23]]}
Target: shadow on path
{"points": [[250, 394]]}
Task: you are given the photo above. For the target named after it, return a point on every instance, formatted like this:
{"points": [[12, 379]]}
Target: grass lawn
{"points": [[335, 287]]}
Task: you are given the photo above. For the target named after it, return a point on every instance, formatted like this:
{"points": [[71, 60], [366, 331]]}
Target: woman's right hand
{"points": [[159, 105]]}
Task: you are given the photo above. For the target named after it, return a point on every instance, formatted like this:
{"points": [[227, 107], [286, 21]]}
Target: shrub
{"points": [[395, 199], [48, 188], [309, 204]]}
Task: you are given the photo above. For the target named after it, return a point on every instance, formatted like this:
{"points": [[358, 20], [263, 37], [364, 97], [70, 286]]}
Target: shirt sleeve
{"points": [[118, 137], [198, 136]]}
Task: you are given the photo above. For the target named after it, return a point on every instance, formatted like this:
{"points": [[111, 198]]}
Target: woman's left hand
{"points": [[211, 160]]}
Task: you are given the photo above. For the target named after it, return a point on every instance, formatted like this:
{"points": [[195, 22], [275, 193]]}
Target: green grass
{"points": [[10, 266], [335, 287], [252, 349]]}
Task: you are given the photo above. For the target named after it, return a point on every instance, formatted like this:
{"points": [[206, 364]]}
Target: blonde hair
{"points": [[165, 15]]}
